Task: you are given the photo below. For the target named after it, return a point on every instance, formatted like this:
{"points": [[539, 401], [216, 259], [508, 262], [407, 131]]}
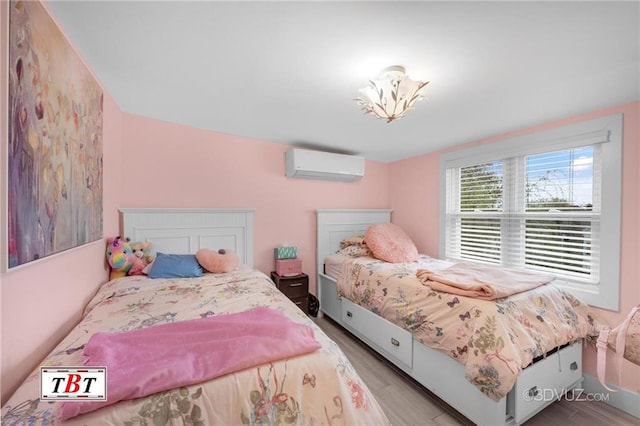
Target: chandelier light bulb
{"points": [[392, 95]]}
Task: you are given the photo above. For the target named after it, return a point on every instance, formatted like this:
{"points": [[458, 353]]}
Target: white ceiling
{"points": [[288, 72]]}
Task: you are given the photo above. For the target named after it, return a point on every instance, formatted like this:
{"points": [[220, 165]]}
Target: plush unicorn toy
{"points": [[120, 256]]}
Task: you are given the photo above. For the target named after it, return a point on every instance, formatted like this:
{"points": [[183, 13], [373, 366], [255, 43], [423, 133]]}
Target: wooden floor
{"points": [[408, 403]]}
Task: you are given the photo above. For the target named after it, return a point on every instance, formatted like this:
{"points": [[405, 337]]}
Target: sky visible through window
{"points": [[561, 177], [553, 181]]}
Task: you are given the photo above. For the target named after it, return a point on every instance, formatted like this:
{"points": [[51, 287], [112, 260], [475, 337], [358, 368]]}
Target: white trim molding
{"points": [[624, 399]]}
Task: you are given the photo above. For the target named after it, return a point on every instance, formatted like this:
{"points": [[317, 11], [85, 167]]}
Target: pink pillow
{"points": [[390, 243]]}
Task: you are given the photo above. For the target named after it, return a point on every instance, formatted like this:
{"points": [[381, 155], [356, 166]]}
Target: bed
{"points": [[448, 342], [319, 386]]}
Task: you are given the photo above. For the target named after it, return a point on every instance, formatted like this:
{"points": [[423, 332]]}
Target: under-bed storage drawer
{"points": [[392, 339], [570, 367], [546, 381], [329, 301]]}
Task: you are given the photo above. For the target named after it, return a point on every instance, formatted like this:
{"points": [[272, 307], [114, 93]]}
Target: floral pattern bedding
{"points": [[318, 388], [494, 339]]}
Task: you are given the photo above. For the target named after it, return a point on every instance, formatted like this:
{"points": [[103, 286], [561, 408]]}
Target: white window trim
{"points": [[606, 293]]}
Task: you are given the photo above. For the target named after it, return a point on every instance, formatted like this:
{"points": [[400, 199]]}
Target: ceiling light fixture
{"points": [[392, 95]]}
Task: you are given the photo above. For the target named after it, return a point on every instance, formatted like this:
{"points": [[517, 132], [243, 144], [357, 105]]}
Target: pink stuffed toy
{"points": [[120, 256], [217, 261]]}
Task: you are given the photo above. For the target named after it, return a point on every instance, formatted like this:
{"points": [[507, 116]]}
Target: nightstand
{"points": [[295, 288]]}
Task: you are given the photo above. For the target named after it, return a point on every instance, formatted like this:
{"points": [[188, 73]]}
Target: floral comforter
{"points": [[495, 339], [318, 388]]}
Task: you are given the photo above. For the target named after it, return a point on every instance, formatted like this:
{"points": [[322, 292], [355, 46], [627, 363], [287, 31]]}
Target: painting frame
{"points": [[53, 155]]}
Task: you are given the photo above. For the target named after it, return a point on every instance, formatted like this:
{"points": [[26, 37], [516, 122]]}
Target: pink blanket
{"points": [[167, 356], [481, 281]]}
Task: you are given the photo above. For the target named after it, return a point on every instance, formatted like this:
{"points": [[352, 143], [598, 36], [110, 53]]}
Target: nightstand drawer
{"points": [[302, 303], [294, 287]]}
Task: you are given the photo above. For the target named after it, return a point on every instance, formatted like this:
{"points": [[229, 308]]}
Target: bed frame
{"points": [[184, 231], [537, 386]]}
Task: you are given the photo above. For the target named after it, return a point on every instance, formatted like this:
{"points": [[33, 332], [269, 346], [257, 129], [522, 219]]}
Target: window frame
{"points": [[608, 130]]}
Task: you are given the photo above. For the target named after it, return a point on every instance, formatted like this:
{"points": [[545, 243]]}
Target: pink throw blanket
{"points": [[481, 281], [167, 356]]}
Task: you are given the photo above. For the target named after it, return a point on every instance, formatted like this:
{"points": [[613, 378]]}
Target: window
{"points": [[546, 202]]}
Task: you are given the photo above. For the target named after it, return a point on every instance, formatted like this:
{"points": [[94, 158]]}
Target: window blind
{"points": [[548, 200], [538, 212]]}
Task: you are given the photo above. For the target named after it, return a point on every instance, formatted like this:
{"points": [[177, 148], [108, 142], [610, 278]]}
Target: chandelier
{"points": [[392, 95]]}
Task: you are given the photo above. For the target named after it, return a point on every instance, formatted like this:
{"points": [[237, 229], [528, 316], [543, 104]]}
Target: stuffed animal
{"points": [[217, 261], [142, 256], [119, 256]]}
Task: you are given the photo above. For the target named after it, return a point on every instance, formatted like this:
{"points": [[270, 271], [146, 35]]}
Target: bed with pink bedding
{"points": [[314, 384], [488, 359], [494, 339]]}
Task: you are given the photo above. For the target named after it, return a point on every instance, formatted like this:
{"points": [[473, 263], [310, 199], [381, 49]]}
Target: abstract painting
{"points": [[54, 158]]}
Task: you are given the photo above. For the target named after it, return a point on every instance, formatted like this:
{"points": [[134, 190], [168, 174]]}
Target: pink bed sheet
{"points": [[166, 356]]}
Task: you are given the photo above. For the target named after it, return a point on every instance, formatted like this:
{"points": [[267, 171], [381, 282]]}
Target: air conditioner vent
{"points": [[308, 164]]}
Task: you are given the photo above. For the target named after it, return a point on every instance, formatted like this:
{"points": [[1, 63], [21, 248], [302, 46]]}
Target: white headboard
{"points": [[184, 231], [335, 225]]}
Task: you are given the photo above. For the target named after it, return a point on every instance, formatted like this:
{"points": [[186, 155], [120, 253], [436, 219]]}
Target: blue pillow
{"points": [[175, 266]]}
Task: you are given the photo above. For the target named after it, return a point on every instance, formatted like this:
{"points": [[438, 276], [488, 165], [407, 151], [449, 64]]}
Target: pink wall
{"points": [[42, 301], [168, 165], [416, 208], [415, 200]]}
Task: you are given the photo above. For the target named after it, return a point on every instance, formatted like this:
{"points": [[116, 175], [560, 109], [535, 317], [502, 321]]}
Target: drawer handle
{"points": [[394, 342], [298, 303], [534, 391], [295, 285], [574, 366], [349, 314]]}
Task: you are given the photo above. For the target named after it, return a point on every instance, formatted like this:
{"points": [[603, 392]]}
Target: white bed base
{"points": [[185, 230], [537, 386]]}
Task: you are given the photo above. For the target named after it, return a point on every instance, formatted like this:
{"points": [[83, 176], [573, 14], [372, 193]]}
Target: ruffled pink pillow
{"points": [[390, 243]]}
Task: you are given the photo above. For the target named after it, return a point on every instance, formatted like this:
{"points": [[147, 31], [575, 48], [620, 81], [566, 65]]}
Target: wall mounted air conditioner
{"points": [[308, 164]]}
